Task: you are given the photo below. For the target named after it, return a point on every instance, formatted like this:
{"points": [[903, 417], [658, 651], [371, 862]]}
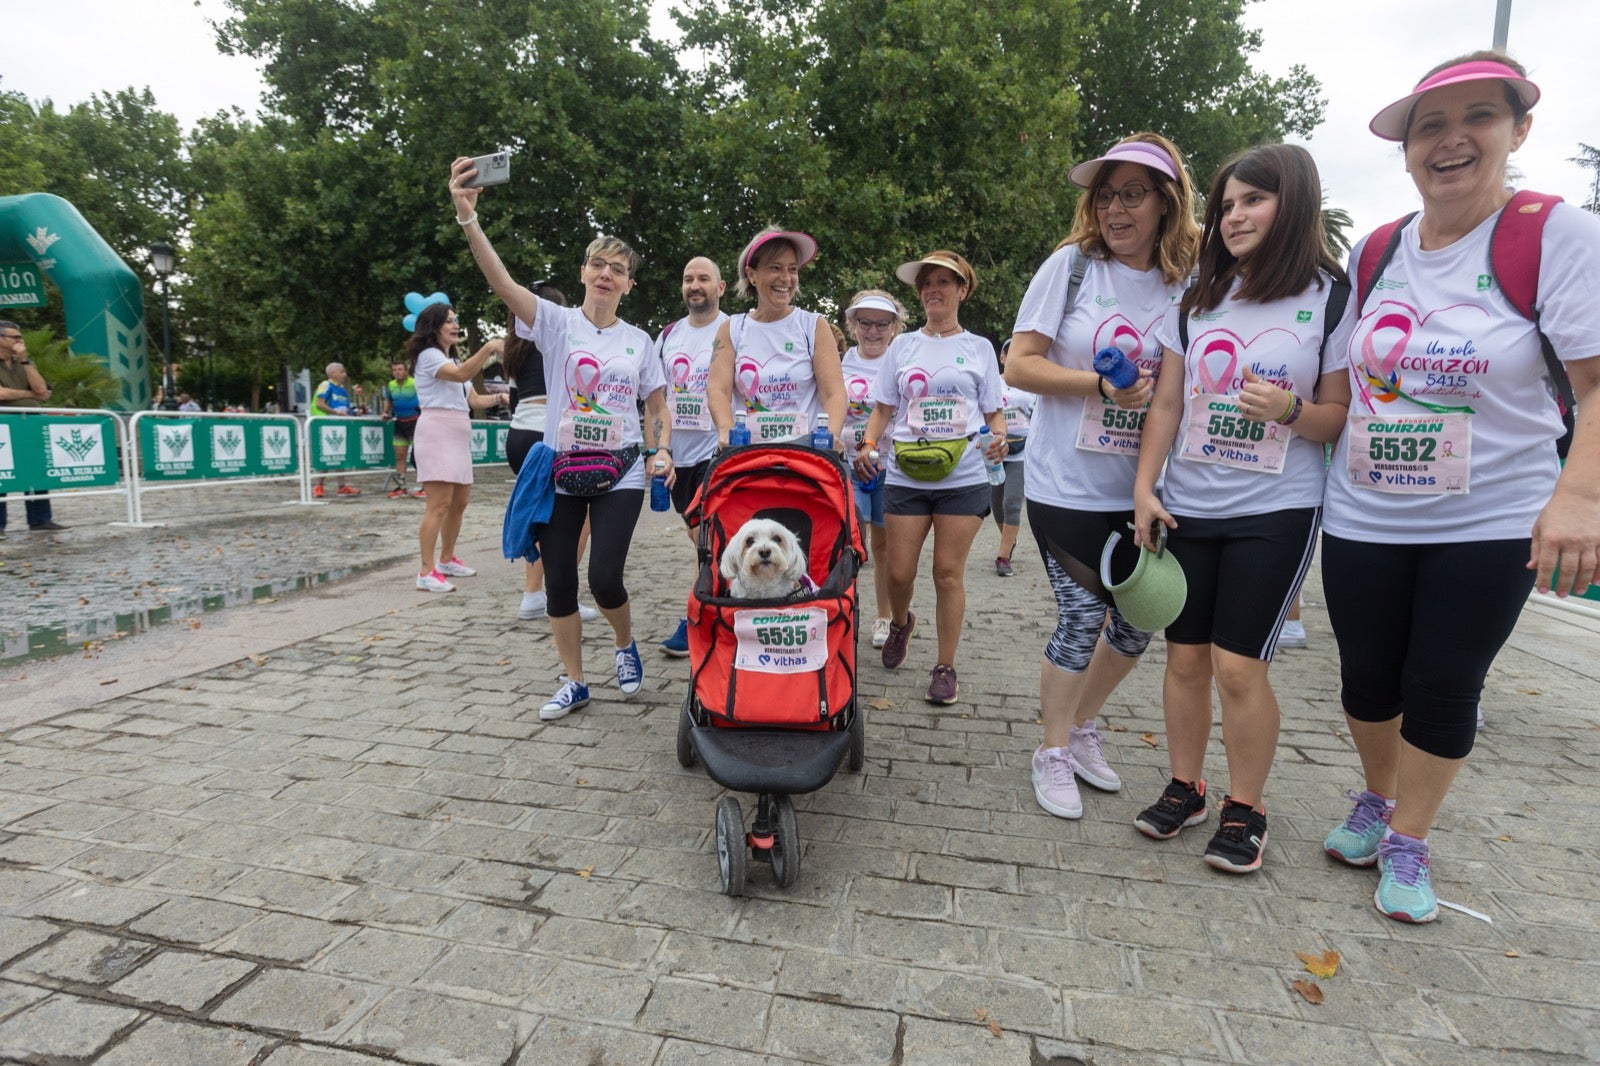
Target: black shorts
{"points": [[915, 500], [1243, 574], [1075, 539], [687, 483], [519, 442], [405, 428]]}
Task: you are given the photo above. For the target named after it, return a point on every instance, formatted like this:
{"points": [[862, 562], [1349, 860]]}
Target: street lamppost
{"points": [[165, 260]]}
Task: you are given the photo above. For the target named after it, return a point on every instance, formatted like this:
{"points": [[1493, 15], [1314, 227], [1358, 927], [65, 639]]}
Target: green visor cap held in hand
{"points": [[1148, 586]]}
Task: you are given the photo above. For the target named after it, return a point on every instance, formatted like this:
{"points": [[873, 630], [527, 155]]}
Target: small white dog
{"points": [[763, 561]]}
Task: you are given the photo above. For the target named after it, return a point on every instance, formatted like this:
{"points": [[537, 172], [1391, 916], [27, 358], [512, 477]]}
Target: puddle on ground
{"points": [[46, 642]]}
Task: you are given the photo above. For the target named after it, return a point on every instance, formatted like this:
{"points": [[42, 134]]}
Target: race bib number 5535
{"points": [[781, 641]]}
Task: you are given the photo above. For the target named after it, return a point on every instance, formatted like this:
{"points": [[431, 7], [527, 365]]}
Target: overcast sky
{"points": [[1365, 53]]}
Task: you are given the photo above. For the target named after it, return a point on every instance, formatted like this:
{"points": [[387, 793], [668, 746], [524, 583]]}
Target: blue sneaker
{"points": [[677, 645], [630, 669], [568, 698], [1405, 887], [1355, 843]]}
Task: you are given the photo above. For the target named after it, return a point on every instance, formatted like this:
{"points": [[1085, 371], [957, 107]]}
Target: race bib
{"points": [[1215, 432], [938, 417], [1105, 427], [854, 435], [770, 427], [1414, 454], [1017, 422], [689, 412], [781, 641], [588, 429]]}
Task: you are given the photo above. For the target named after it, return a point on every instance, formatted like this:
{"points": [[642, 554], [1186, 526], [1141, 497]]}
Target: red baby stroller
{"points": [[771, 707]]}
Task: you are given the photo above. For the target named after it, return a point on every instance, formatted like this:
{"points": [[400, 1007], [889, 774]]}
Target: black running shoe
{"points": [[1240, 839], [1179, 807]]}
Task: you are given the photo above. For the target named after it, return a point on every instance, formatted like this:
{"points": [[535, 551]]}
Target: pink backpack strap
{"points": [[1514, 249], [1375, 255]]}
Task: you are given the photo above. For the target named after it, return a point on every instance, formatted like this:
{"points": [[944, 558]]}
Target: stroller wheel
{"points": [[731, 847], [858, 735], [786, 842], [686, 723]]}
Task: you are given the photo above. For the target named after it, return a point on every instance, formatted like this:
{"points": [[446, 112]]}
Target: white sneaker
{"points": [[533, 606], [1088, 762], [434, 582], [587, 613], [454, 567], [1054, 785], [880, 632], [1293, 635]]}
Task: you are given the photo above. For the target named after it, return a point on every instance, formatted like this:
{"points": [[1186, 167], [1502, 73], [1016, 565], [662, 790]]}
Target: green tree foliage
{"points": [[117, 158], [80, 382], [1183, 68], [1588, 157]]}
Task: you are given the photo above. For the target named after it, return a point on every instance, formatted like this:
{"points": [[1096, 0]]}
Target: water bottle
{"points": [[1113, 365], [996, 467], [877, 475], [739, 435], [660, 495], [821, 436]]}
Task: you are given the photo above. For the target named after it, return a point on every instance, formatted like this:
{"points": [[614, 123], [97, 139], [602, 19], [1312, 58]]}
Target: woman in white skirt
{"points": [[443, 442]]}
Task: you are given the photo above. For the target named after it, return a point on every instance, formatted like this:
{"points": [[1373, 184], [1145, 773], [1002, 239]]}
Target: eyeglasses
{"points": [[618, 269], [1131, 195], [864, 324], [10, 336]]}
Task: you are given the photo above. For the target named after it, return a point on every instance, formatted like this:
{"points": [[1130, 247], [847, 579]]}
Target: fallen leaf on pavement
{"points": [[882, 703], [1148, 738], [1513, 954], [1308, 991], [586, 871], [113, 681], [1530, 692], [503, 662], [1324, 965]]}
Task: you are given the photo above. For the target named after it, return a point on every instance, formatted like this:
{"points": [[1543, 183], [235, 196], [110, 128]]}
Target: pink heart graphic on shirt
{"points": [[1118, 332], [1224, 349], [1377, 368]]}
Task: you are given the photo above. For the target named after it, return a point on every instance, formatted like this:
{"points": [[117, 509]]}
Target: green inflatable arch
{"points": [[104, 302]]}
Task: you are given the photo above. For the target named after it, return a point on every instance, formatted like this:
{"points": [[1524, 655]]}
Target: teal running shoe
{"points": [[1405, 886], [1355, 843]]}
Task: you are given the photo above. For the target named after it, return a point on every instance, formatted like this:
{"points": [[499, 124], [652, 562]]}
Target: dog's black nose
{"points": [[765, 553]]}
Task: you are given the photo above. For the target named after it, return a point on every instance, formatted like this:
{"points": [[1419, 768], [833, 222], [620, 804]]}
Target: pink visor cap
{"points": [[1391, 122], [1145, 154], [805, 246]]}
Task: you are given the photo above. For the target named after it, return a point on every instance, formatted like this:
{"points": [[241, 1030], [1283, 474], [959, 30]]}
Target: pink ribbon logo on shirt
{"points": [[1203, 361], [1380, 374], [585, 381], [916, 385], [682, 367], [747, 375]]}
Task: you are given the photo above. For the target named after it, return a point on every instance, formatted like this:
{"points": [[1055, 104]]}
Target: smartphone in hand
{"points": [[492, 169]]}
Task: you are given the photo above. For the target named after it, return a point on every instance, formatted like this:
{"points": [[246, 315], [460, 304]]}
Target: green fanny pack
{"points": [[929, 460]]}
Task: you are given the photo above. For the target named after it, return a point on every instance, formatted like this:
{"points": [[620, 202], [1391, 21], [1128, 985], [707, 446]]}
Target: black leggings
{"points": [[613, 515], [1418, 627]]}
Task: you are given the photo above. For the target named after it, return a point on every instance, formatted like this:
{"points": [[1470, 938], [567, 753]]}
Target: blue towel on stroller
{"points": [[528, 510]]}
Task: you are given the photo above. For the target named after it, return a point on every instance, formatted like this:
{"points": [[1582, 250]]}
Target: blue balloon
{"points": [[415, 302]]}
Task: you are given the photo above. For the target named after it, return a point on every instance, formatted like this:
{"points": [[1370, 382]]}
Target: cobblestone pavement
{"points": [[363, 846]]}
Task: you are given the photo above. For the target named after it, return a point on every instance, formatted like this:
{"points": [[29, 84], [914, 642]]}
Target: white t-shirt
{"points": [[773, 368], [918, 367], [1280, 342], [1438, 321], [1019, 405], [1116, 305], [604, 371], [859, 374], [434, 392], [685, 352]]}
